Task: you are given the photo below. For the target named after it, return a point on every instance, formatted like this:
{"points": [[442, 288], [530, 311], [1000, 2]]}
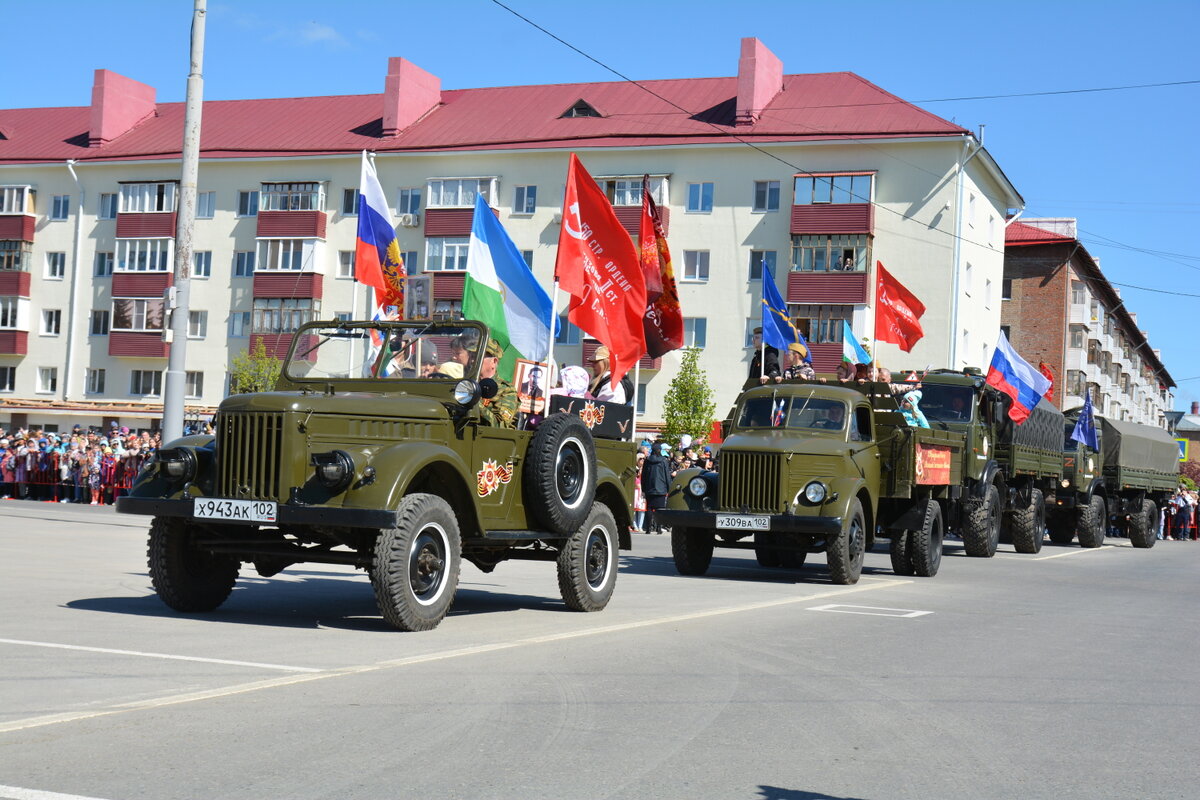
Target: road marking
{"points": [[872, 611], [1076, 552], [165, 656], [16, 793], [243, 688]]}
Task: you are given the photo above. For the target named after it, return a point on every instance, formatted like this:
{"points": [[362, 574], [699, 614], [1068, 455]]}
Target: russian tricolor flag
{"points": [[377, 260], [1013, 375]]}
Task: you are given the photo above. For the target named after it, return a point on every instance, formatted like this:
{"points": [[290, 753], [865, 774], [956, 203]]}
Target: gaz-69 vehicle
{"points": [[809, 467], [392, 462]]}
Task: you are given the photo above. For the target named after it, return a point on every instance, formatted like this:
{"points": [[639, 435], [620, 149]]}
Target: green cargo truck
{"points": [[355, 459], [810, 467]]}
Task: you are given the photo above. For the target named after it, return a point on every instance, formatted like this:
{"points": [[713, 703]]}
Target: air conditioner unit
{"points": [[409, 220]]}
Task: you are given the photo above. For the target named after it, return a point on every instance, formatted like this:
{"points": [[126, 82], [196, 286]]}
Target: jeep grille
{"points": [[750, 481], [248, 447]]}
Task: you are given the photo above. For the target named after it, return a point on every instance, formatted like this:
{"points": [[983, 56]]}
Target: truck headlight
{"points": [[1065, 482], [697, 486], [334, 470], [815, 492], [178, 464]]}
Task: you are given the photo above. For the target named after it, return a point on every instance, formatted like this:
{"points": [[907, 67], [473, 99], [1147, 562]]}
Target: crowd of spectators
{"points": [[657, 463], [1178, 517]]}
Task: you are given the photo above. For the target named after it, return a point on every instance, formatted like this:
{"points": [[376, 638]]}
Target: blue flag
{"points": [[778, 330], [1085, 428]]}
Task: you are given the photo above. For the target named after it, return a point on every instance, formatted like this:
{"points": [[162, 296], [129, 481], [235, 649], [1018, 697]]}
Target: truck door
{"points": [[866, 448]]}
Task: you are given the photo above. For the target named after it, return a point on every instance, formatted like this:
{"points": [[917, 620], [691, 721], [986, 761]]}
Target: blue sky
{"points": [[1122, 162]]}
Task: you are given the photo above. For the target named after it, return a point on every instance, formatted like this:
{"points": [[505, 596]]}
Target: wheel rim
{"points": [[596, 554], [571, 473], [856, 541], [427, 564]]}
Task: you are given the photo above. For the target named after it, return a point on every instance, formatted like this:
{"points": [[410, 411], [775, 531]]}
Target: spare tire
{"points": [[560, 474]]}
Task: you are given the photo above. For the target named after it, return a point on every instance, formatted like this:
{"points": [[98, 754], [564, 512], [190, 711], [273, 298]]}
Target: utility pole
{"points": [[176, 386]]}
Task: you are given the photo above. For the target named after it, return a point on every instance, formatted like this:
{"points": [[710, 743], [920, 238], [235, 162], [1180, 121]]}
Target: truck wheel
{"points": [[792, 559], [900, 551], [767, 556], [846, 549], [692, 549], [1062, 527], [927, 543], [1143, 526], [415, 574], [186, 577], [1029, 524], [587, 563], [1092, 522], [560, 474], [981, 527]]}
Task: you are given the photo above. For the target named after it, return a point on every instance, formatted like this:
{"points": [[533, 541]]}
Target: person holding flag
{"points": [[1085, 426], [776, 333], [1016, 377]]}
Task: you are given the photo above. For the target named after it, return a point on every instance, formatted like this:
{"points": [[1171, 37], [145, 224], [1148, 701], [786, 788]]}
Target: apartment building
{"points": [[841, 175], [1060, 309]]}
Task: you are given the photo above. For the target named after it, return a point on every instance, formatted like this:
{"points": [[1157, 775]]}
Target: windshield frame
{"points": [[794, 402]]}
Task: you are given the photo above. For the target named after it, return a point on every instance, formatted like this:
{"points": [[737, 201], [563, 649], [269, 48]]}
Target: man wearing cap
{"points": [[759, 372], [500, 410], [797, 366]]}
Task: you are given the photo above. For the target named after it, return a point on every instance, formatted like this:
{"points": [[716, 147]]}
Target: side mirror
{"points": [[488, 388]]}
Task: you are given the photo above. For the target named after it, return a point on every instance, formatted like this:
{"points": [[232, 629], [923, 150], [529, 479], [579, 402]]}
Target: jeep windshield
{"points": [[793, 412], [416, 350], [942, 402]]}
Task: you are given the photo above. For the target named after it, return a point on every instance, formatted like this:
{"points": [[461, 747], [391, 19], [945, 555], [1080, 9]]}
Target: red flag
{"points": [[598, 266], [1044, 368], [663, 321], [897, 311]]}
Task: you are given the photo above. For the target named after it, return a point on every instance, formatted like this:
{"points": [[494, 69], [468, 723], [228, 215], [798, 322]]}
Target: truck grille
{"points": [[248, 448], [750, 481]]}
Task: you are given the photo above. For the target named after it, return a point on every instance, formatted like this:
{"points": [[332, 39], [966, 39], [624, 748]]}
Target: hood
{"points": [[352, 403], [786, 441]]}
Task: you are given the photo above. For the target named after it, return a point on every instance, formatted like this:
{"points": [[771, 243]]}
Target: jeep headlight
{"points": [[466, 392], [697, 486], [334, 470], [178, 464], [815, 492]]}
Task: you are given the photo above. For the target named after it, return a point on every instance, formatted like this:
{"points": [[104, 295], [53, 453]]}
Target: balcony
{"points": [[17, 226], [14, 343], [14, 283], [148, 225], [137, 344], [277, 344], [1076, 358], [141, 284], [842, 288], [289, 224], [288, 284], [646, 363], [833, 218], [1080, 315]]}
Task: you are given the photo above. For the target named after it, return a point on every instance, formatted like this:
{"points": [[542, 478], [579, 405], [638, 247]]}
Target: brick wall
{"points": [[1038, 313]]}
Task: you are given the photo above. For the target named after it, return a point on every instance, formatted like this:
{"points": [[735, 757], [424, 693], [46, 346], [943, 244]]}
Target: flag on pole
{"points": [[663, 321], [377, 259], [1085, 426], [852, 351], [1016, 377], [777, 328], [897, 311], [598, 266], [1044, 368], [501, 291]]}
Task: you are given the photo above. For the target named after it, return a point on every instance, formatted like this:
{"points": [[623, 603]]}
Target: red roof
{"points": [[810, 107], [1019, 234]]}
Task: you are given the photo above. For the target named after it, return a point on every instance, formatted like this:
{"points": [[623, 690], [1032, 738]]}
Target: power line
{"points": [[1157, 291]]}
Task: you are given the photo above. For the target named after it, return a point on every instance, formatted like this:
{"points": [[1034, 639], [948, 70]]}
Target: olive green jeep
{"points": [[375, 450]]}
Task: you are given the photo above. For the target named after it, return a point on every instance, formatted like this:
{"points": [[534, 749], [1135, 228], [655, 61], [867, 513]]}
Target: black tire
{"points": [[926, 547], [415, 574], [692, 549], [560, 474], [848, 546], [900, 551], [766, 555], [185, 577], [1062, 527], [1143, 526], [1091, 523], [792, 559], [587, 563], [1029, 524], [981, 524]]}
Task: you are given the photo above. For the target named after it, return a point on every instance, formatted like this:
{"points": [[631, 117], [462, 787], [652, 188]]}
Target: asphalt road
{"points": [[1072, 674]]}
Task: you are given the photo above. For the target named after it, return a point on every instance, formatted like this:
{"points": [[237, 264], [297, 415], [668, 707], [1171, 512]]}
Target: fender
{"points": [[986, 479], [680, 499], [1095, 487], [847, 489], [396, 466]]}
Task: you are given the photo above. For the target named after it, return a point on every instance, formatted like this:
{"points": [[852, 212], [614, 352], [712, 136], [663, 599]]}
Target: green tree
{"points": [[254, 371], [689, 405]]}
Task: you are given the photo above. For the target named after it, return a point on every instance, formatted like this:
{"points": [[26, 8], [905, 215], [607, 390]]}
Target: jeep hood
{"points": [[359, 404]]}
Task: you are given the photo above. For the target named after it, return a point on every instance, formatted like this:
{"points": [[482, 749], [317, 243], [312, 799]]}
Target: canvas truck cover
{"points": [[1043, 430], [1133, 446]]}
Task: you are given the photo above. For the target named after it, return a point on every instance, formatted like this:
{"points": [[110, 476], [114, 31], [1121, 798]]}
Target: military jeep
{"points": [[374, 450]]}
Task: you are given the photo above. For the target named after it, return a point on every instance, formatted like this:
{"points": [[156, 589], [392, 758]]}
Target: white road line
{"points": [[166, 656], [15, 793], [226, 691], [871, 611], [1080, 551]]}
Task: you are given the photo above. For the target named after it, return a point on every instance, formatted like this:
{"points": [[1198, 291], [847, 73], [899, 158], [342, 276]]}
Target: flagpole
{"points": [[637, 384], [550, 349]]}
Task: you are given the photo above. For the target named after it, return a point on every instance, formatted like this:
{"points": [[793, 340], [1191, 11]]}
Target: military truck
{"points": [[357, 459], [808, 467], [1010, 470], [1128, 479]]}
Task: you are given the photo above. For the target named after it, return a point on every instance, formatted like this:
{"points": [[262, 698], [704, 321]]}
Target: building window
{"points": [[108, 206], [243, 264], [283, 315], [304, 196], [821, 324], [411, 262], [51, 321], [695, 265], [206, 205], [239, 324], [766, 195], [99, 325], [835, 189], [459, 192], [136, 314], [195, 385], [145, 255], [94, 383], [410, 201], [346, 264], [16, 199], [1006, 289], [291, 255], [987, 292], [56, 265], [1006, 330], [695, 330], [568, 334], [145, 382], [524, 199], [247, 204], [15, 255], [446, 254], [62, 206], [527, 256], [447, 309], [700, 198], [1078, 337], [102, 265], [641, 399], [350, 202], [627, 191], [8, 379], [760, 260], [1078, 293], [342, 316], [971, 210], [197, 324], [145, 198], [47, 380], [202, 264], [840, 253], [8, 313], [968, 280]]}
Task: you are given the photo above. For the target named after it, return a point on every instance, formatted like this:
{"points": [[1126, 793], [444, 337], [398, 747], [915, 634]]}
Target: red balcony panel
{"points": [[448, 221], [308, 224], [140, 284], [591, 345], [16, 226], [831, 218], [630, 218], [144, 226], [14, 283], [14, 343], [448, 285], [843, 288], [137, 344], [826, 356], [288, 284], [277, 344]]}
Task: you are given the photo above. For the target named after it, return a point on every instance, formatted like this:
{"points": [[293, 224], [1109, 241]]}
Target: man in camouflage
{"points": [[500, 410]]}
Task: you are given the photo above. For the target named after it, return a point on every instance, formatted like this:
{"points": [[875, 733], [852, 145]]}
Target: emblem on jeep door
{"points": [[492, 476], [591, 415]]}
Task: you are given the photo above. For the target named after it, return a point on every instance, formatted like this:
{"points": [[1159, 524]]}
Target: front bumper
{"points": [[780, 523], [285, 515]]}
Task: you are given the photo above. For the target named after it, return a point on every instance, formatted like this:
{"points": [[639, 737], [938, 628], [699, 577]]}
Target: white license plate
{"points": [[741, 522], [241, 510]]}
